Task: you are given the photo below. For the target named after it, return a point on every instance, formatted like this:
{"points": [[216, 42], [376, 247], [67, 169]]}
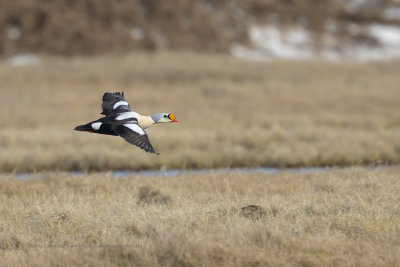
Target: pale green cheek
{"points": [[164, 120]]}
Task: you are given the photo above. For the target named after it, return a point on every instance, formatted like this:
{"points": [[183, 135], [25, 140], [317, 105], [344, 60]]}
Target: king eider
{"points": [[120, 120]]}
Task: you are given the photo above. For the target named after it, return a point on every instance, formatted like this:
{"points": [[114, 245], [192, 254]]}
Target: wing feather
{"points": [[114, 102], [133, 134]]}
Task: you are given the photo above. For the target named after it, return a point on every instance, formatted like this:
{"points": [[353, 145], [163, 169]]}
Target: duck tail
{"points": [[84, 128]]}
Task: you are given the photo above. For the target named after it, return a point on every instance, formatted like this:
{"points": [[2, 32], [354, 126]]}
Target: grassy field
{"points": [[231, 112], [336, 218]]}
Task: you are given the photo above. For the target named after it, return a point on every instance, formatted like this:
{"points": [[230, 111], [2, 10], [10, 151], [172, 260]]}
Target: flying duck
{"points": [[120, 120]]}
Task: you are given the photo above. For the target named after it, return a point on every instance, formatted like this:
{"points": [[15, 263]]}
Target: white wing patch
{"points": [[120, 103], [96, 125], [126, 115], [136, 128]]}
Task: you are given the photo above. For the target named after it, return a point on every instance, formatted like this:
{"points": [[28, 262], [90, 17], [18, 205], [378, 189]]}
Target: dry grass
{"points": [[335, 218], [232, 112]]}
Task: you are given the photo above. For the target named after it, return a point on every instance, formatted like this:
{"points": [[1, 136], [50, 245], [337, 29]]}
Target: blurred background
{"points": [[254, 83], [298, 29]]}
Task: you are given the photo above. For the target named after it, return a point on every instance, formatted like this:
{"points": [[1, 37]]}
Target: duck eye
{"points": [[165, 116]]}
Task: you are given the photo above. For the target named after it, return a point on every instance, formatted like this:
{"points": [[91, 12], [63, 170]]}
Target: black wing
{"points": [[132, 133], [114, 102]]}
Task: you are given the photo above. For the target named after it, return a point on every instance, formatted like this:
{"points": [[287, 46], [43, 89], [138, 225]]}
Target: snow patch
{"points": [[392, 13], [355, 5], [386, 35], [273, 42], [14, 32], [20, 60], [136, 33], [296, 43]]}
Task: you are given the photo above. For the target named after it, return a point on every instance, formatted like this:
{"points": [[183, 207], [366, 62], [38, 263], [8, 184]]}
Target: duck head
{"points": [[163, 117]]}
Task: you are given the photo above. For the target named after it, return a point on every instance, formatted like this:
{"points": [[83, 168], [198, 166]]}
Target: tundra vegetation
{"points": [[232, 113], [341, 217]]}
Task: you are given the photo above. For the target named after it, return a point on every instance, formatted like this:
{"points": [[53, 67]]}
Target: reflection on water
{"points": [[175, 173]]}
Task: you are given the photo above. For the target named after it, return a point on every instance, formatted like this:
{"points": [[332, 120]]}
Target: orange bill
{"points": [[172, 118]]}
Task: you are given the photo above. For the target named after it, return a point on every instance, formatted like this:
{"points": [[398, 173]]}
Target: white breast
{"points": [[145, 121]]}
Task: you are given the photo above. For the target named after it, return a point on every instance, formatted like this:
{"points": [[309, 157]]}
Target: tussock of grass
{"points": [[341, 217], [254, 212], [149, 195], [231, 112]]}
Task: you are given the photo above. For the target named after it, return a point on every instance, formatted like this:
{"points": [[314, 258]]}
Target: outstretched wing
{"points": [[114, 102], [132, 133]]}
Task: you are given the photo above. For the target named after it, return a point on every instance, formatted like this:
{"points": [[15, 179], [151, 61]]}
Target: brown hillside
{"points": [[70, 27]]}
